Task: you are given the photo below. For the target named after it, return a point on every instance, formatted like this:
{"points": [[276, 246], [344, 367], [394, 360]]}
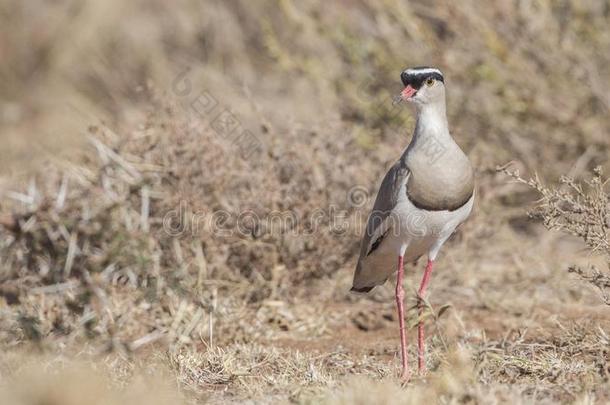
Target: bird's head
{"points": [[423, 86]]}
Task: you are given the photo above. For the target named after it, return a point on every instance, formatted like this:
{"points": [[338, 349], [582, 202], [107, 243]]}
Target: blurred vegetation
{"points": [[108, 124], [527, 80]]}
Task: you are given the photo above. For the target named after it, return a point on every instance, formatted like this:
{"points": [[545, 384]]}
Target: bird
{"points": [[423, 198]]}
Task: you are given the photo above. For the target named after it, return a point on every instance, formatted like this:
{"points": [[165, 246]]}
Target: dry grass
{"points": [[142, 246]]}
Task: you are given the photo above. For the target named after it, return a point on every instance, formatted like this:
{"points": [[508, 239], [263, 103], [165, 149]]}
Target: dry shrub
{"points": [[153, 220], [581, 209]]}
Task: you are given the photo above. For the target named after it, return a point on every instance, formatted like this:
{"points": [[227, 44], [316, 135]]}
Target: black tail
{"points": [[362, 289]]}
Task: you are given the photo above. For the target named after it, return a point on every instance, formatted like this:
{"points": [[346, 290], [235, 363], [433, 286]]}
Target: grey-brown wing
{"points": [[385, 202]]}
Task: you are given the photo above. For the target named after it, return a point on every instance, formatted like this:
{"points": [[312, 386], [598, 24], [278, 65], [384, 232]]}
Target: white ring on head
{"points": [[422, 71]]}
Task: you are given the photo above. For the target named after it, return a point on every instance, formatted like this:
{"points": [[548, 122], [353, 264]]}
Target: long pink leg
{"points": [[400, 296], [421, 347]]}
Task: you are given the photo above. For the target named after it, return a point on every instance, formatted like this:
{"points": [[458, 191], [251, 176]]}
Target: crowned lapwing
{"points": [[423, 198]]}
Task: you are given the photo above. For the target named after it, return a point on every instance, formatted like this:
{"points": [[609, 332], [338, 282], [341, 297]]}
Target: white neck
{"points": [[432, 117], [431, 121]]}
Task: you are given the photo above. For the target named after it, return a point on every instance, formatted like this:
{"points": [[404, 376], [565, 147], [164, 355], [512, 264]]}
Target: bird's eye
{"points": [[429, 82]]}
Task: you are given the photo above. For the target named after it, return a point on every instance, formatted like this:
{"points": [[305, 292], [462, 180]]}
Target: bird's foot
{"points": [[405, 376], [422, 371]]}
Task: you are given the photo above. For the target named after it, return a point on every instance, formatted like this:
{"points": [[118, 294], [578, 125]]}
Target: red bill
{"points": [[408, 92]]}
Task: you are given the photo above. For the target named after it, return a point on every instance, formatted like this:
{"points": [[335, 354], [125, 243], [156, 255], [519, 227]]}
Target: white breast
{"points": [[422, 231]]}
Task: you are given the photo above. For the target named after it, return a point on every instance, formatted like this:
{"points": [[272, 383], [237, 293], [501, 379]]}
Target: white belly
{"points": [[422, 231], [418, 231]]}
